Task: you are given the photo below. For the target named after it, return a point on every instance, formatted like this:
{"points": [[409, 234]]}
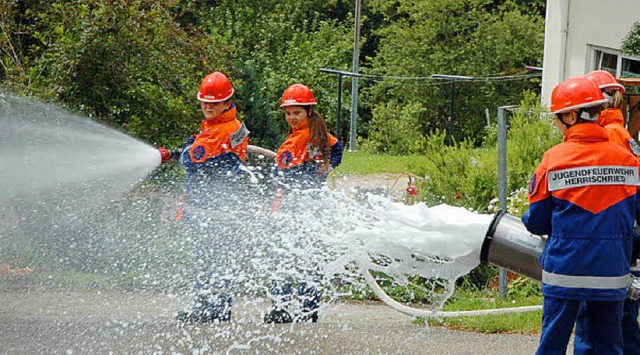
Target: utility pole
{"points": [[354, 80]]}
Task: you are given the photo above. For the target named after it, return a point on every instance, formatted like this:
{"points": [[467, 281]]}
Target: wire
{"points": [[437, 81]]}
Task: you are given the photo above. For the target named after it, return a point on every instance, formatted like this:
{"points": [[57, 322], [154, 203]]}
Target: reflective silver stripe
{"points": [[239, 135], [593, 175], [595, 282], [635, 148]]}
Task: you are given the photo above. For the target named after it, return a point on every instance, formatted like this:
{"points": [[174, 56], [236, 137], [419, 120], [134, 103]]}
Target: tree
{"points": [[478, 38], [631, 42]]}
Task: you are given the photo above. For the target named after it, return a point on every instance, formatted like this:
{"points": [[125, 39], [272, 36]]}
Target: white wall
{"points": [[571, 26]]}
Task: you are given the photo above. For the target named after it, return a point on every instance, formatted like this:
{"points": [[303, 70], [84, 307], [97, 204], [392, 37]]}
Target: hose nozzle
{"points": [[168, 154]]}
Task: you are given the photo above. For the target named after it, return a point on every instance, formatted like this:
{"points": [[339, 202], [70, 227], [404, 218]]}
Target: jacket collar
{"points": [[609, 116], [224, 117], [302, 126], [586, 132]]}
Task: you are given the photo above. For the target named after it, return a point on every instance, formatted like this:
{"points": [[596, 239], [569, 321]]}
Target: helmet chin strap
{"points": [[561, 119]]}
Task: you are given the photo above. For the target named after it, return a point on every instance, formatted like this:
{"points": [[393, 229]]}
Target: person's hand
{"points": [[165, 155]]}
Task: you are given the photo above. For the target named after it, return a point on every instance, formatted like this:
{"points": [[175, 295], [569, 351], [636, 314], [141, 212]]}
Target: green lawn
{"points": [[360, 163]]}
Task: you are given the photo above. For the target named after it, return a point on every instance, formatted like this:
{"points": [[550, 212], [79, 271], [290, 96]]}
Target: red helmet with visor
{"points": [[605, 80], [298, 95], [574, 94], [215, 87]]}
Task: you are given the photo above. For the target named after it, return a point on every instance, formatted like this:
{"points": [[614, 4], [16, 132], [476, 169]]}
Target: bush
{"points": [[465, 176], [395, 129]]}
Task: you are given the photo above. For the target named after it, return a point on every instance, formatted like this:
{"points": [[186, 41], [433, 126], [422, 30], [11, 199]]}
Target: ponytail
{"points": [[319, 135]]}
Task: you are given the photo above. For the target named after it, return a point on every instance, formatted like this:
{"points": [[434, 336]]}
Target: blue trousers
{"points": [[598, 326], [309, 293], [630, 331]]}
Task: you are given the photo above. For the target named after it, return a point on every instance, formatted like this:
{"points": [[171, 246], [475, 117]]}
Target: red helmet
{"points": [[215, 87], [575, 93], [604, 80], [298, 95]]}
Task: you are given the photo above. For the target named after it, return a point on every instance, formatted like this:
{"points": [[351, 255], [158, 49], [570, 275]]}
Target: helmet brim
{"points": [[584, 105], [215, 100]]}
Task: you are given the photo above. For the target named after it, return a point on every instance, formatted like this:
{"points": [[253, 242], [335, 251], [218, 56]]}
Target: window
{"points": [[616, 63], [630, 68], [619, 65]]}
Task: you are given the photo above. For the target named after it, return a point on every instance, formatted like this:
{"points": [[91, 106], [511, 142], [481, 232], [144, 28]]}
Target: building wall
{"points": [[572, 26]]}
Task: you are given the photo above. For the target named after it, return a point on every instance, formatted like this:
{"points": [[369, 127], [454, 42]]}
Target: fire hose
{"points": [[507, 244], [174, 154]]}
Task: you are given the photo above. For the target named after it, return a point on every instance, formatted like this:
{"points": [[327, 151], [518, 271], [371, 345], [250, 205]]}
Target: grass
{"points": [[360, 163], [465, 300]]}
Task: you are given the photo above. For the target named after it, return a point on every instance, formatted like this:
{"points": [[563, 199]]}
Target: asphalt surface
{"points": [[34, 321]]}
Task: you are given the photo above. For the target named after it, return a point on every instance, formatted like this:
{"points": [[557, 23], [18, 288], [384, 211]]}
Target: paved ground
{"points": [[49, 321], [55, 322]]}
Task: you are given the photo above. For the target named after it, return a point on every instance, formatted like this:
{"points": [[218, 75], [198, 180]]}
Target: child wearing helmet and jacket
{"points": [[584, 197], [611, 117], [303, 162], [612, 120], [213, 161]]}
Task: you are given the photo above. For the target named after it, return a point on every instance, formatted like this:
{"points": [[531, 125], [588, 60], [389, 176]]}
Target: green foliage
{"points": [[524, 287], [136, 65], [479, 278], [458, 175], [461, 175], [631, 42], [395, 129], [457, 37], [129, 65], [531, 133]]}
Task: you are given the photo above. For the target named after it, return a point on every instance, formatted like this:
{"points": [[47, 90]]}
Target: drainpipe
{"points": [[564, 34]]}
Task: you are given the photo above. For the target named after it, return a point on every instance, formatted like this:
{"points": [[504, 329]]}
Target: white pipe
{"points": [[422, 313], [564, 34], [252, 149]]}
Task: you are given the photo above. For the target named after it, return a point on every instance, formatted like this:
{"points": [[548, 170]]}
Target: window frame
{"points": [[593, 65]]}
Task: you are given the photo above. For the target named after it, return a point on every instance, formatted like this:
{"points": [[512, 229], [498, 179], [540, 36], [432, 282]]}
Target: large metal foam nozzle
{"points": [[508, 244]]}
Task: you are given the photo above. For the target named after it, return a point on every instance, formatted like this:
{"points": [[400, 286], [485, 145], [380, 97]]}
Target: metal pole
{"points": [[339, 106], [502, 181], [340, 75], [354, 80], [452, 117], [452, 97]]}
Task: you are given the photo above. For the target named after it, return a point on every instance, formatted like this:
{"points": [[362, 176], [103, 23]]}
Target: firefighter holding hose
{"points": [[303, 162], [584, 196], [213, 161]]}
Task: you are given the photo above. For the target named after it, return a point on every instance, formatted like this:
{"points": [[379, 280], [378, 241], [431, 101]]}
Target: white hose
{"points": [[252, 149], [422, 313]]}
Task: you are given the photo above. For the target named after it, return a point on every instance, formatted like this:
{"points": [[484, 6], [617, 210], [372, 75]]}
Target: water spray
{"points": [[507, 244]]}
